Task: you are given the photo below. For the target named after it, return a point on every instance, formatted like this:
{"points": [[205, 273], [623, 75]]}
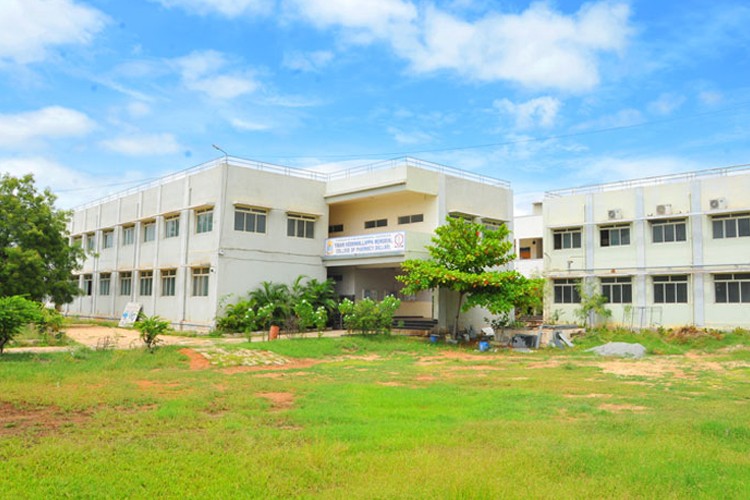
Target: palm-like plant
{"points": [[276, 295]]}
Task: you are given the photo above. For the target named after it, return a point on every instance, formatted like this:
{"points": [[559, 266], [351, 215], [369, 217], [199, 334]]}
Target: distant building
{"points": [[185, 244], [528, 241], [671, 250]]}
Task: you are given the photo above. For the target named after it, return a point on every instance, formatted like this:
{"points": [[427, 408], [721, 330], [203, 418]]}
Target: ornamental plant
{"points": [[368, 316], [151, 327]]}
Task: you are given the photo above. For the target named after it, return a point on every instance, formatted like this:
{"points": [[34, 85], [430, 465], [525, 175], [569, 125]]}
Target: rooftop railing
{"points": [[650, 181], [298, 172]]}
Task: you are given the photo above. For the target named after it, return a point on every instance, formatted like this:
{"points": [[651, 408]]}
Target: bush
{"points": [[151, 327], [368, 316], [15, 313]]}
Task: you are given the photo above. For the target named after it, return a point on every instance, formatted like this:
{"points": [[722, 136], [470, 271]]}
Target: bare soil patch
{"points": [[197, 361], [391, 384], [587, 396], [279, 400], [41, 420], [616, 408]]}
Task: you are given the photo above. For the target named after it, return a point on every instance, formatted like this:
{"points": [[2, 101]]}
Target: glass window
{"points": [[128, 235], [108, 239], [731, 226], [666, 231], [566, 238], [90, 242], [336, 228], [146, 283], [204, 220], [732, 288], [104, 281], [200, 281], [612, 236], [126, 283], [168, 282], [411, 219], [251, 220], [149, 231], [172, 226], [566, 291], [670, 289], [618, 290], [369, 224], [300, 226], [88, 284]]}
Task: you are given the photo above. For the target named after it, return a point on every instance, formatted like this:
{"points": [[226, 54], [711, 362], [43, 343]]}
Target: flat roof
{"points": [[650, 181], [304, 173]]}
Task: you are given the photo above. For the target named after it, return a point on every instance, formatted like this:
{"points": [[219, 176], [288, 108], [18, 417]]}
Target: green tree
{"points": [[466, 257], [593, 308], [36, 259], [15, 313]]}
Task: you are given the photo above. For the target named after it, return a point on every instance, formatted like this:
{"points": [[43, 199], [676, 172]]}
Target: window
{"points": [[126, 283], [492, 225], [204, 220], [618, 290], [200, 281], [411, 219], [251, 220], [665, 231], [90, 242], [104, 281], [300, 226], [566, 291], [168, 282], [149, 231], [671, 289], [731, 225], [172, 226], [614, 236], [732, 288], [78, 241], [336, 228], [145, 282], [567, 238], [128, 235], [369, 224], [108, 239], [459, 215], [88, 284]]}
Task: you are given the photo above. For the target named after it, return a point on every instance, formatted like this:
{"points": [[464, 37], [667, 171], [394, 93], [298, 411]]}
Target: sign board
{"points": [[368, 244], [130, 314]]}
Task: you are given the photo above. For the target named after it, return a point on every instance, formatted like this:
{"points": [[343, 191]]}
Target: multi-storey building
{"points": [[528, 234], [671, 250], [182, 245]]}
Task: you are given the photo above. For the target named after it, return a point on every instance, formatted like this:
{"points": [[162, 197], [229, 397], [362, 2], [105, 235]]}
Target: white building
{"points": [[181, 245], [672, 250], [528, 235]]}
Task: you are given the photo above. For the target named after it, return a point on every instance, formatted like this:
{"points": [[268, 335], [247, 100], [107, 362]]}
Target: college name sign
{"points": [[355, 246]]}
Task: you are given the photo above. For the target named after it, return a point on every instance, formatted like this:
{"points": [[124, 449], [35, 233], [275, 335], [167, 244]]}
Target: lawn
{"points": [[384, 417]]}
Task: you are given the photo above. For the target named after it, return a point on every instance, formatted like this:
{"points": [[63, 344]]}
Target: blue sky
{"points": [[98, 95]]}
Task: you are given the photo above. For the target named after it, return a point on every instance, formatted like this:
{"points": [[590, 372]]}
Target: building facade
{"points": [[671, 250], [185, 244]]}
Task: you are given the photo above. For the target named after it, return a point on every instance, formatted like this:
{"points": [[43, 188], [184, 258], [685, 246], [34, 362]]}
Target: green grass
{"points": [[383, 417]]}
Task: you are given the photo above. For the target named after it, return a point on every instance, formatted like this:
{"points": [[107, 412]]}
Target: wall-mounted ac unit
{"points": [[718, 203], [665, 209], [614, 214]]}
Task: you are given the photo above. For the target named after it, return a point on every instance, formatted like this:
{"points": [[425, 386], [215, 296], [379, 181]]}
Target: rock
{"points": [[621, 349]]}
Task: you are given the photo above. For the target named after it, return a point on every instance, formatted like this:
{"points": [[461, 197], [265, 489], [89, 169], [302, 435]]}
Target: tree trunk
{"points": [[458, 313]]}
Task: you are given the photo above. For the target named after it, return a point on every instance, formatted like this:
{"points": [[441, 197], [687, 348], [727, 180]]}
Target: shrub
{"points": [[15, 313], [368, 316], [151, 327]]}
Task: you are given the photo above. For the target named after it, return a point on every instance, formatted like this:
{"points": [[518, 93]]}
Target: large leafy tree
{"points": [[36, 259], [467, 258]]}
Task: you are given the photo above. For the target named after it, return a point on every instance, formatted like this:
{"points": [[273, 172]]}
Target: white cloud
{"points": [[666, 104], [138, 109], [29, 28], [307, 61], [48, 174], [539, 111], [201, 71], [537, 48], [143, 144], [416, 137], [611, 169], [53, 121], [710, 97], [248, 125], [623, 118], [227, 8]]}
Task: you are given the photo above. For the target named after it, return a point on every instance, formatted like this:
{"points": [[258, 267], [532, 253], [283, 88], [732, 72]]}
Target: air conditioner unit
{"points": [[615, 213], [664, 209], [718, 203]]}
